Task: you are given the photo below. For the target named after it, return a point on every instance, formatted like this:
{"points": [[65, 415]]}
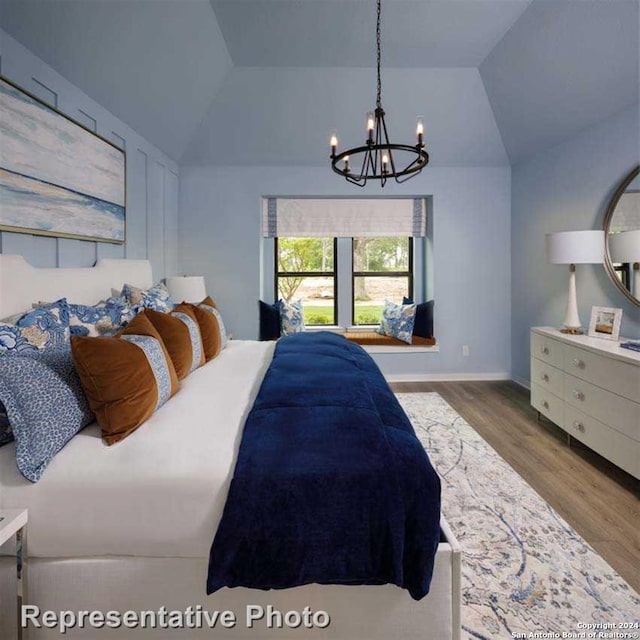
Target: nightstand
{"points": [[13, 522]]}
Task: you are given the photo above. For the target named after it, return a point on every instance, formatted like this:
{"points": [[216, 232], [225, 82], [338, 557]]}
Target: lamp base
{"points": [[574, 331]]}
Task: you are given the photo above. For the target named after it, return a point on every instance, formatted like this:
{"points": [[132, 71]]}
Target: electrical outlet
{"points": [[465, 350]]}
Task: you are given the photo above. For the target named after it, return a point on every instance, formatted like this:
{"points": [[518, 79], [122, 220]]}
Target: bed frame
{"points": [[141, 583]]}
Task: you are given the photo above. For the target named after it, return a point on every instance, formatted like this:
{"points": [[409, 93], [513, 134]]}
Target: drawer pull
{"points": [[578, 363], [578, 425], [545, 377], [578, 395], [545, 404], [544, 350]]}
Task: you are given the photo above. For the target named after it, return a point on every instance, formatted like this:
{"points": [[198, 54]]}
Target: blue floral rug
{"points": [[524, 569]]}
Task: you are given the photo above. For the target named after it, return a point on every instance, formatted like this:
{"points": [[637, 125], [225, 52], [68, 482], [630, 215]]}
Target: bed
{"points": [[129, 527]]}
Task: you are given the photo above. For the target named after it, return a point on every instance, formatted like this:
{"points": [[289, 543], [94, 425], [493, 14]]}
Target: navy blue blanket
{"points": [[331, 484]]}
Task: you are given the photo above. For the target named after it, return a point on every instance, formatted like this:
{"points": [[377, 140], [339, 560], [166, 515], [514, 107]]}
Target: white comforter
{"points": [[161, 491]]}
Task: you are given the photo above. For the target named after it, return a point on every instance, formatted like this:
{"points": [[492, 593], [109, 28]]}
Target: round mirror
{"points": [[622, 232]]}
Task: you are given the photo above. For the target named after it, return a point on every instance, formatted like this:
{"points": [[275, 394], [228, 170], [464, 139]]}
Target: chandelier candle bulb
{"points": [[370, 126], [346, 164], [420, 130], [333, 141]]}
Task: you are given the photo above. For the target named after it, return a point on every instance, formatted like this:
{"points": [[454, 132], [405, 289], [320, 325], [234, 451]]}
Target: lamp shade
{"points": [[625, 246], [187, 288], [575, 247]]}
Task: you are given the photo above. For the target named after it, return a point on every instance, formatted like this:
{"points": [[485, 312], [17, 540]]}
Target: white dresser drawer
{"points": [[619, 377], [609, 408], [548, 350], [548, 404], [547, 377], [608, 442]]}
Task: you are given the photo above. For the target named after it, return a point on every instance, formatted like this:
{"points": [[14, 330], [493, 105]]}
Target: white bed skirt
{"points": [[142, 584]]}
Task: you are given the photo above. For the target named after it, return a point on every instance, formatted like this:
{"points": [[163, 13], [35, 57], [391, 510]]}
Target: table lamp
{"points": [[624, 248], [574, 247], [187, 288]]}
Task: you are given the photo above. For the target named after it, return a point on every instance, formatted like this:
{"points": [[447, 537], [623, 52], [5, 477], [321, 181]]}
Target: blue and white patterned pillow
{"points": [[45, 405], [157, 297], [221, 327], [291, 317], [43, 328], [102, 319], [397, 321]]}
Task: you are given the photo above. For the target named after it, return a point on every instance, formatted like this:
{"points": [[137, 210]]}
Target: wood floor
{"points": [[600, 501]]}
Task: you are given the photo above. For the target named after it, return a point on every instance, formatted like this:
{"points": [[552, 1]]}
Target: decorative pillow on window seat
{"points": [[126, 378], [291, 317], [269, 320], [423, 326], [397, 321], [180, 333]]}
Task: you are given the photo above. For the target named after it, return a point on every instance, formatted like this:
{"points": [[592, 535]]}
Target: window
{"points": [[382, 270], [343, 257], [306, 270]]}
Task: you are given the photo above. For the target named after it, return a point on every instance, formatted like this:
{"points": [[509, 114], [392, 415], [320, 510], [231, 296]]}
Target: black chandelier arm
{"points": [[420, 161]]}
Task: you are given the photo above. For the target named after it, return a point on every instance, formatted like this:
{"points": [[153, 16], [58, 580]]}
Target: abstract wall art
{"points": [[56, 177]]}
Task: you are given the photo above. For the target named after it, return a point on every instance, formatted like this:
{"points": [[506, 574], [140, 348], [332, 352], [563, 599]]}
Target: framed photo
{"points": [[605, 323], [57, 178]]}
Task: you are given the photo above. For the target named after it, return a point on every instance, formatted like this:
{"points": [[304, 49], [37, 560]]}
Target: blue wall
{"points": [[220, 218], [566, 188], [152, 178]]}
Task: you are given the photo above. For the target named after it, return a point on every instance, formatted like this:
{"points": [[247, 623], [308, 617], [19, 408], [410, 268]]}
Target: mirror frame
{"points": [[606, 223]]}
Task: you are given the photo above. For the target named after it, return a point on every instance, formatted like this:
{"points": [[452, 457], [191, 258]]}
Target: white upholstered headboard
{"points": [[21, 284]]}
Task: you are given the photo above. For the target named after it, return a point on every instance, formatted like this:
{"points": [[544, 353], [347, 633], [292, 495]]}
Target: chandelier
{"points": [[381, 159]]}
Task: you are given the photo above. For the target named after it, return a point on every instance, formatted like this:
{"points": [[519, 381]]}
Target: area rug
{"points": [[524, 569]]}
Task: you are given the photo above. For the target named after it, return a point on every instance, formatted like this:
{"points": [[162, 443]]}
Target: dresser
{"points": [[590, 388]]}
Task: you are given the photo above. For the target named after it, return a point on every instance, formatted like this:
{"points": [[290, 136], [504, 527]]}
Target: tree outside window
{"points": [[306, 271]]}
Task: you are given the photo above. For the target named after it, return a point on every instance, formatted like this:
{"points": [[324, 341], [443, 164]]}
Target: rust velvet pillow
{"points": [[180, 333], [125, 378], [209, 329], [210, 302]]}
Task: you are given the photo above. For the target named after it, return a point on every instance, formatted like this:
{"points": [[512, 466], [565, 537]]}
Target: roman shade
{"points": [[343, 217]]}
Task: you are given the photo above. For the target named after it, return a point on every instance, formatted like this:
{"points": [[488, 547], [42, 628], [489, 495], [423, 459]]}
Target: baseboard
{"points": [[447, 377], [522, 382]]}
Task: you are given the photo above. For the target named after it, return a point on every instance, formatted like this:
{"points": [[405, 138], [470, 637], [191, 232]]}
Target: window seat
{"points": [[371, 338]]}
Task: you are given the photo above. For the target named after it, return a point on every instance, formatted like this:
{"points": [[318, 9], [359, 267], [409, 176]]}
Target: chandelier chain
{"points": [[379, 52]]}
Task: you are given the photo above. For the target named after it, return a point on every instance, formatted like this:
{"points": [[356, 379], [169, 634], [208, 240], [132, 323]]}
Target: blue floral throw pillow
{"points": [[41, 329], [397, 321], [291, 318], [102, 319], [157, 298], [45, 406]]}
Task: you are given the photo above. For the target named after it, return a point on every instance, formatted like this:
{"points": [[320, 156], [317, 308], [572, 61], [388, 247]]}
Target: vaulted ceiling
{"points": [[262, 81]]}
